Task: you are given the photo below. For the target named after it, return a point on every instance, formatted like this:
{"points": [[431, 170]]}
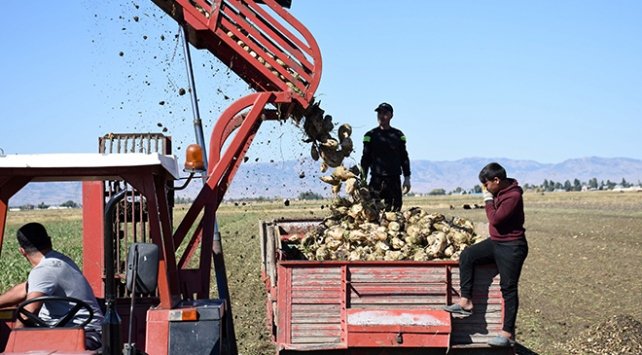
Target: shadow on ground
{"points": [[522, 350]]}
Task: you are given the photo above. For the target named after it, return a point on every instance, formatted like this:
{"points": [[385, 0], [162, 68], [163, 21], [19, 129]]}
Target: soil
{"points": [[620, 334]]}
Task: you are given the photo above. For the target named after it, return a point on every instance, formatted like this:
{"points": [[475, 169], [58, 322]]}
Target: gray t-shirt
{"points": [[58, 275]]}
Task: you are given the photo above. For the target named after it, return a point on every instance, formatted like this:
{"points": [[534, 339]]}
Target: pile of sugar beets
{"points": [[359, 228]]}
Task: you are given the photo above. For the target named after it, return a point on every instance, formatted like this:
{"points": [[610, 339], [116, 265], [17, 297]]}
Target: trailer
{"points": [[365, 307]]}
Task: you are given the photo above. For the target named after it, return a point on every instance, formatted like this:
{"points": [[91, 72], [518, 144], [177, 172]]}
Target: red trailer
{"points": [[363, 307]]}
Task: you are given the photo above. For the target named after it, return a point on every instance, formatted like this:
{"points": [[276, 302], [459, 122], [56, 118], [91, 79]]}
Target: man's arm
{"points": [[506, 208], [33, 308], [14, 296], [405, 160], [366, 158]]}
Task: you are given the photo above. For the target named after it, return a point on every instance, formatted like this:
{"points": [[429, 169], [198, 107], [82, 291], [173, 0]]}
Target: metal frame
{"points": [[222, 168], [131, 215], [266, 35]]}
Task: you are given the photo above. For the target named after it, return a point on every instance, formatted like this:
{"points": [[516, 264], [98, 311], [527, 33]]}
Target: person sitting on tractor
{"points": [[506, 247], [386, 157], [53, 275]]}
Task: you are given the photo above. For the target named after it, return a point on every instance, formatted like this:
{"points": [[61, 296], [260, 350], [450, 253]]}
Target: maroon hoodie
{"points": [[506, 214]]}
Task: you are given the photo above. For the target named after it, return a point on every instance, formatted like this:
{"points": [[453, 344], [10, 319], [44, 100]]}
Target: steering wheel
{"points": [[29, 318]]}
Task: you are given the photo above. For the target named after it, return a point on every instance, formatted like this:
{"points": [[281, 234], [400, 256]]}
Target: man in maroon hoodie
{"points": [[506, 247]]}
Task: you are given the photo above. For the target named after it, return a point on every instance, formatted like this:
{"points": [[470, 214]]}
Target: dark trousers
{"points": [[387, 188], [509, 258], [93, 340]]}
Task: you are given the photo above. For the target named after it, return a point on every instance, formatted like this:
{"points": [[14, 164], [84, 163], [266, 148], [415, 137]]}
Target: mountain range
{"points": [[286, 179]]}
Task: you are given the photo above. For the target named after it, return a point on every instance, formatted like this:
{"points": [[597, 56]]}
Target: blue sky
{"points": [[546, 80]]}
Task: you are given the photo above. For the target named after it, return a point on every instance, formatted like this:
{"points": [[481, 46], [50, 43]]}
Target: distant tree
{"points": [[567, 186], [593, 183], [69, 204], [436, 192], [477, 189], [27, 207], [610, 184], [624, 183], [602, 185], [577, 185], [42, 206], [559, 186], [551, 185], [458, 190], [545, 185], [309, 195], [180, 200]]}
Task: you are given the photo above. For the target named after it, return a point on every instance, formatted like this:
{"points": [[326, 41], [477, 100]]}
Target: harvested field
{"points": [[580, 279]]}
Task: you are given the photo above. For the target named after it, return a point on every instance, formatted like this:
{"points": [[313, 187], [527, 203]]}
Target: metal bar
{"points": [[234, 168], [270, 34], [345, 278], [152, 187], [271, 59], [448, 284], [223, 289], [111, 323], [275, 82], [141, 215], [257, 102], [93, 211], [198, 124], [134, 237], [281, 289], [117, 224], [207, 249], [129, 345], [282, 30], [215, 155], [8, 188]]}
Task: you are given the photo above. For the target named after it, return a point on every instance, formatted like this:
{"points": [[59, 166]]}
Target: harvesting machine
{"points": [[152, 273]]}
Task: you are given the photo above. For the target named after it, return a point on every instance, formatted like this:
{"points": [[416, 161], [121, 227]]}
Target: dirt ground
{"points": [[582, 268], [581, 276]]}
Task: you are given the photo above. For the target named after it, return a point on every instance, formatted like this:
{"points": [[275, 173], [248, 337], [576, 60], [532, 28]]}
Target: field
{"points": [[585, 256]]}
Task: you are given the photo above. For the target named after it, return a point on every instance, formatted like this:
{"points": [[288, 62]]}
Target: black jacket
{"points": [[384, 153]]}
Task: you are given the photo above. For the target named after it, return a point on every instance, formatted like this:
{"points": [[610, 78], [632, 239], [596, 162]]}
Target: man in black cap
{"points": [[386, 157]]}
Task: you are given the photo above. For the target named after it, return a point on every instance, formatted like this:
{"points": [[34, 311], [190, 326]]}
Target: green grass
{"points": [[66, 234]]}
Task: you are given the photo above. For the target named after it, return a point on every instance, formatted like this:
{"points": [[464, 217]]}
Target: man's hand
{"points": [[33, 308], [406, 185], [486, 194]]}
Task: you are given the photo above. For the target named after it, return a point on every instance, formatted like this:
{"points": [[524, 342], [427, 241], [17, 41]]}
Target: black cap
{"points": [[386, 107]]}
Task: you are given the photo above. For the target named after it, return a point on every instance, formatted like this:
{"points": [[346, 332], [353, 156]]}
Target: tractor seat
{"points": [[50, 341]]}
